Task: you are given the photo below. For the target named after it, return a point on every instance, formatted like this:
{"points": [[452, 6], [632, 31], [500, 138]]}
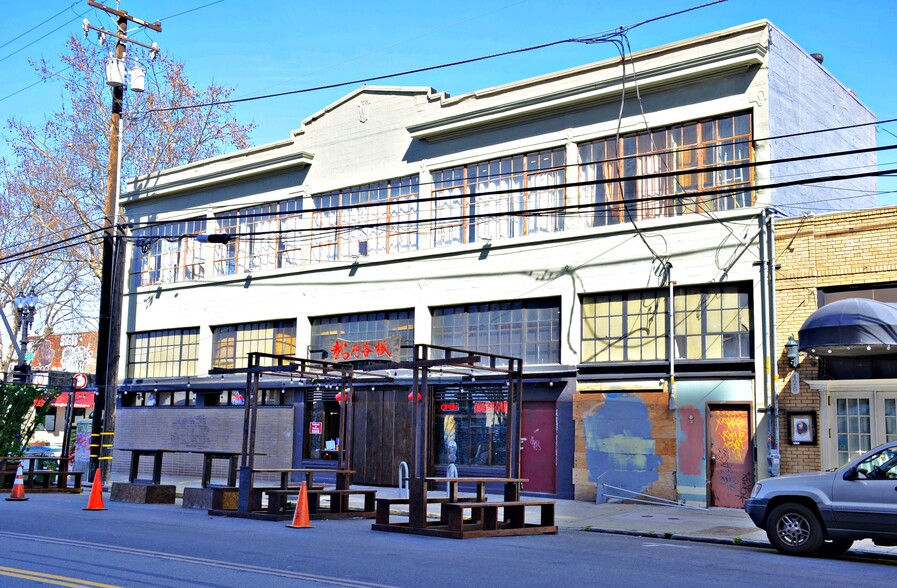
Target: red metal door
{"points": [[731, 467], [538, 459]]}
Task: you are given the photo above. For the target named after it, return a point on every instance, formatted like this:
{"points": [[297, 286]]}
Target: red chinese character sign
{"points": [[343, 350], [315, 428]]}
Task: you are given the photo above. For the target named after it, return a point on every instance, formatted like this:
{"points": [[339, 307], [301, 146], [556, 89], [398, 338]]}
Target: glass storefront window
{"points": [[471, 427]]}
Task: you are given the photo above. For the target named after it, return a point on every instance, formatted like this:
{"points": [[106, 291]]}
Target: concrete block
{"points": [[221, 498], [143, 493]]}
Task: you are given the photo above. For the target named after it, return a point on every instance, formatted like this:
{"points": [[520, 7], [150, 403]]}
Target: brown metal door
{"points": [[538, 459], [731, 467]]}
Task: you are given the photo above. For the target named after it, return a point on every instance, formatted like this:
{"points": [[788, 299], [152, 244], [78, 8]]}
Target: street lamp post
{"points": [[25, 309]]}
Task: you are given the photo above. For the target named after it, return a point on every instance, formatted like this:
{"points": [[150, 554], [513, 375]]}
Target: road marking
{"points": [[195, 561], [665, 545], [51, 578]]}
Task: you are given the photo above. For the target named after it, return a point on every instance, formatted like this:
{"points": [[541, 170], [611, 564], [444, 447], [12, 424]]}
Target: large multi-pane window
{"points": [[471, 426], [711, 322], [231, 344], [500, 198], [373, 219], [163, 354], [164, 253], [387, 335], [528, 329], [628, 326], [624, 171], [262, 237]]}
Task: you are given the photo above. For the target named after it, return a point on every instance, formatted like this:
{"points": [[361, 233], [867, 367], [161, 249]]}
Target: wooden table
{"points": [[208, 457], [511, 486], [339, 495], [30, 472], [342, 476]]}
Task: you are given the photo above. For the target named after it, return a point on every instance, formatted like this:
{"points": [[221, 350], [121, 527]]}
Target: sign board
{"points": [[79, 381], [315, 428], [29, 356]]}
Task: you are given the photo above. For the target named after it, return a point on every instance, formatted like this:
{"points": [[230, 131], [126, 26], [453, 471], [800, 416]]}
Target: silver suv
{"points": [[827, 511]]}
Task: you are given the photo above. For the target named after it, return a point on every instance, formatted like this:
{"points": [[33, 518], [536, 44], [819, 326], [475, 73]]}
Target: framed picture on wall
{"points": [[802, 428]]}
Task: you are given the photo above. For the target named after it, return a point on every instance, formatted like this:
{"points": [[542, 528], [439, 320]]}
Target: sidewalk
{"points": [[714, 525]]}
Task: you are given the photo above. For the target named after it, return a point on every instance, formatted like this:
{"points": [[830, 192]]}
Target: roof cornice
{"points": [[591, 90], [218, 170]]}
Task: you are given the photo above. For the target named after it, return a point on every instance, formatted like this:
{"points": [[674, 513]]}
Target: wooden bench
{"points": [[28, 477], [487, 515], [339, 500], [384, 506]]}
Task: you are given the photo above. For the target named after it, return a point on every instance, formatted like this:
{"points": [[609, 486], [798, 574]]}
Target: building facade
{"points": [[623, 255], [845, 392]]}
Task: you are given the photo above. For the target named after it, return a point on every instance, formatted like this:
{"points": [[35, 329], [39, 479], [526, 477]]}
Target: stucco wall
{"points": [[804, 96]]}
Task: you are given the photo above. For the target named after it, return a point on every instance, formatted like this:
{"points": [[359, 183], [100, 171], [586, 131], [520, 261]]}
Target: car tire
{"points": [[836, 546], [794, 529]]}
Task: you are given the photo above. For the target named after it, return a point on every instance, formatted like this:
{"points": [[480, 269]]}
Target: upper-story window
{"points": [[163, 254], [385, 335], [163, 354], [528, 329], [231, 344], [263, 237], [373, 219], [499, 199], [622, 193], [711, 322]]}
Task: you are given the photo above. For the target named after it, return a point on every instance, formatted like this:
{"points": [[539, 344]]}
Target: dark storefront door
{"points": [[731, 464], [381, 436], [538, 459]]}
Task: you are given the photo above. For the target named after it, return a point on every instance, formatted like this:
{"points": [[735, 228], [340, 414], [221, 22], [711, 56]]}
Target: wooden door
{"points": [[730, 455], [381, 436], [538, 457]]}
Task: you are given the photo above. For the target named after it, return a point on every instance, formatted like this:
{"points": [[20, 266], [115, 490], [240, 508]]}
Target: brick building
{"points": [[846, 393]]}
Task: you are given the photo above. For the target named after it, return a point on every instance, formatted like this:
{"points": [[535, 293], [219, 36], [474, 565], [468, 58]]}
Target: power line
{"points": [[366, 80], [584, 183], [710, 195], [37, 26], [45, 36]]}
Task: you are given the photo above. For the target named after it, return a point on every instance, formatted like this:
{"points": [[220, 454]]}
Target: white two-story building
{"points": [[611, 230]]}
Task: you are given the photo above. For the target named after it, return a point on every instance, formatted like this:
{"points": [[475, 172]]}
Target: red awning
{"points": [[82, 400]]}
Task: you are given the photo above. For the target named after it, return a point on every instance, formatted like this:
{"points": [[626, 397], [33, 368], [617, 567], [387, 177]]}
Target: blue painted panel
{"points": [[620, 450]]}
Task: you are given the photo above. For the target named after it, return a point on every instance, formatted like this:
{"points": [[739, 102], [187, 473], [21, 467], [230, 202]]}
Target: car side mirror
{"points": [[850, 473]]}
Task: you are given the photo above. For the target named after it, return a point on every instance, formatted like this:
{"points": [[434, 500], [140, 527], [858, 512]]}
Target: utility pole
{"points": [[108, 342]]}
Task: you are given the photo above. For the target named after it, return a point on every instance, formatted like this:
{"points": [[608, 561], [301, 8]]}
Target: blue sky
{"points": [[265, 47]]}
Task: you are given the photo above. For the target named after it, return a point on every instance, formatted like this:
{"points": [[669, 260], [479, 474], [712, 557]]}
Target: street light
{"points": [[25, 309]]}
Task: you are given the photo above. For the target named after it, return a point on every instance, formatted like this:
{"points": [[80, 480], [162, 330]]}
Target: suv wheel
{"points": [[836, 546], [794, 529]]}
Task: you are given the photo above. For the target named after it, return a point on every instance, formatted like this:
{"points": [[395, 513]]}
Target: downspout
{"points": [[764, 336], [671, 342], [773, 343]]}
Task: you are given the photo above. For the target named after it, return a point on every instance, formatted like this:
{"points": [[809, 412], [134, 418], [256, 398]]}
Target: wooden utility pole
{"points": [[108, 342]]}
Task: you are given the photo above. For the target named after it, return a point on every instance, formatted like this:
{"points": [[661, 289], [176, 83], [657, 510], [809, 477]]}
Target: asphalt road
{"points": [[51, 540]]}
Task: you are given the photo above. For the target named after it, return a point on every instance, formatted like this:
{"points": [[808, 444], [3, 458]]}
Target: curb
{"points": [[864, 554]]}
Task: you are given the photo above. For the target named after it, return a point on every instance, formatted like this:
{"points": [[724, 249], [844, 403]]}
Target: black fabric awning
{"points": [[850, 322]]}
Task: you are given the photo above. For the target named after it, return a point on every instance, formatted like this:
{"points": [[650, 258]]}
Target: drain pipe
{"points": [[671, 329], [764, 338], [773, 339]]}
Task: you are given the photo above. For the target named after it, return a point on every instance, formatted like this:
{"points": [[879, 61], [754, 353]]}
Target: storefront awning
{"points": [[850, 324], [82, 400]]}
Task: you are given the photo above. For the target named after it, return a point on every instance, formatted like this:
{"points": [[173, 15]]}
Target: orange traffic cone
{"points": [[18, 487], [95, 502], [300, 517]]}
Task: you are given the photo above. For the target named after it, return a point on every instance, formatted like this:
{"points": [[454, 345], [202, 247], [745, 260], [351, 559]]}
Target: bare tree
{"points": [[52, 191]]}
